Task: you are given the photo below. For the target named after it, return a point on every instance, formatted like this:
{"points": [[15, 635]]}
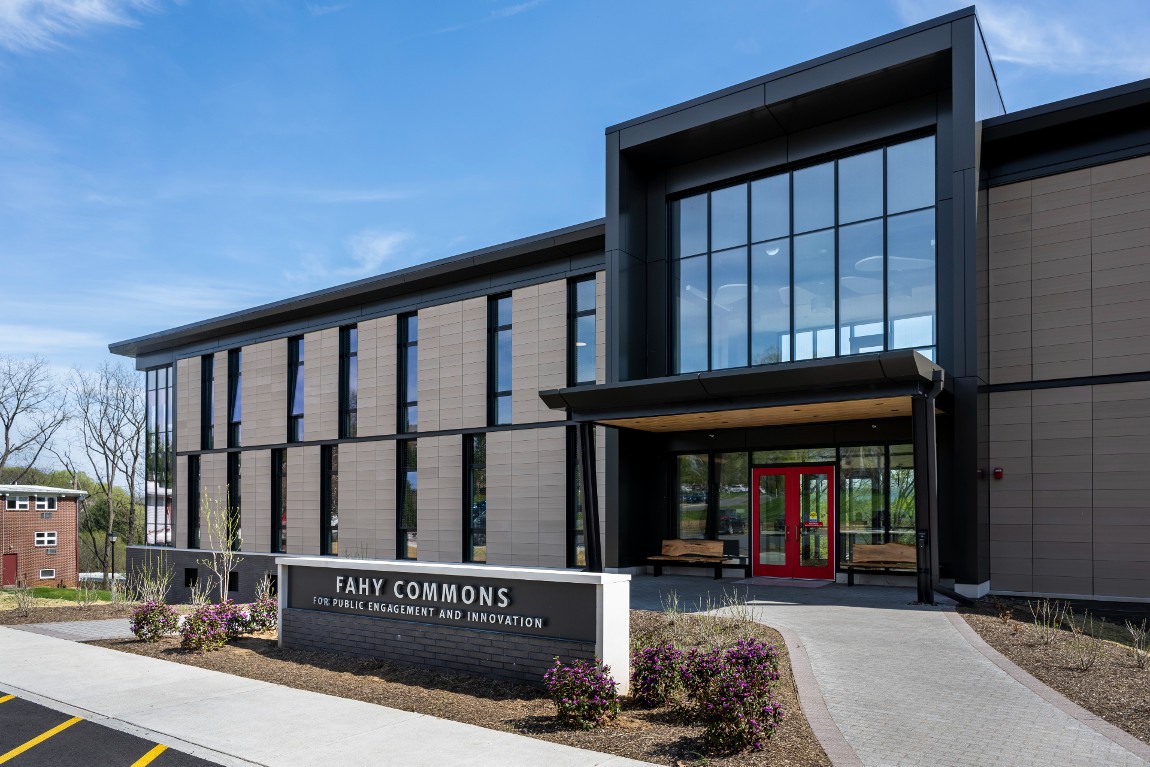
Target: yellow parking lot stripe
{"points": [[148, 757], [6, 698], [38, 740]]}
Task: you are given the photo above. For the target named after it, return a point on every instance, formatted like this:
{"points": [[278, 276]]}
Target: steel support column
{"points": [[926, 489]]}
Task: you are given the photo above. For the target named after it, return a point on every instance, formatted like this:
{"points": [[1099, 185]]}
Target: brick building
{"points": [[39, 535]]}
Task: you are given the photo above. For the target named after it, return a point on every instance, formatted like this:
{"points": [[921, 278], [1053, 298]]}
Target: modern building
{"points": [[851, 315], [39, 537]]}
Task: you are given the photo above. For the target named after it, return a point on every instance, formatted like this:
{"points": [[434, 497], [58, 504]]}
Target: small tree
{"points": [[219, 525]]}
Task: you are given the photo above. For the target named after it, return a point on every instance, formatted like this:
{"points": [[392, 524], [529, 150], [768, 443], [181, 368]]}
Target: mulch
{"points": [[664, 735], [1114, 689], [64, 613]]}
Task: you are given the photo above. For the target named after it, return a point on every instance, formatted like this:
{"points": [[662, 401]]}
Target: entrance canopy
{"points": [[861, 387]]}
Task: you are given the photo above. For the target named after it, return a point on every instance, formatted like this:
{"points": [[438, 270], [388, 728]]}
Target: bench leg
{"points": [[719, 573], [658, 570], [851, 577]]}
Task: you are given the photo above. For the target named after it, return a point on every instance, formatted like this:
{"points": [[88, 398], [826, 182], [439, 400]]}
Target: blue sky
{"points": [[165, 161]]}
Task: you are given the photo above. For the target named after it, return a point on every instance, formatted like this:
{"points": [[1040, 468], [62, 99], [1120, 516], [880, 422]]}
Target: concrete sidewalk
{"points": [[236, 721]]}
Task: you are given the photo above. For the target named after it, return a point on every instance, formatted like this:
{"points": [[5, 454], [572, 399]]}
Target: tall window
{"points": [[295, 389], [279, 501], [833, 259], [329, 501], [207, 401], [348, 381], [193, 502], [475, 498], [234, 533], [581, 331], [408, 373], [576, 537], [158, 457], [408, 499], [235, 398], [499, 360]]}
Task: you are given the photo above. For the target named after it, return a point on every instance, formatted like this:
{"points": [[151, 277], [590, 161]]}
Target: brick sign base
{"points": [[509, 623]]}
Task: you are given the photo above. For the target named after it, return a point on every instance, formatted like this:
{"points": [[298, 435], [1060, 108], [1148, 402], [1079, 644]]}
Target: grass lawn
{"points": [[47, 592]]}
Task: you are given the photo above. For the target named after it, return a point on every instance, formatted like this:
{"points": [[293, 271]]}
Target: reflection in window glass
{"points": [[771, 302], [408, 373], [734, 499], [911, 280], [814, 197], [689, 220], [862, 498], [581, 332], [576, 536], [729, 308], [815, 295], [692, 501], [902, 494], [408, 486], [824, 455], [770, 208], [499, 360], [476, 511], [860, 288], [691, 281], [860, 187], [910, 175], [729, 217]]}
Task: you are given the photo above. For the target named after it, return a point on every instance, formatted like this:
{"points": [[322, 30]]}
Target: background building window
{"points": [[833, 259], [193, 511], [406, 518], [235, 398], [234, 532], [295, 389], [408, 373], [46, 538], [279, 501], [499, 360], [17, 503], [46, 504], [47, 574], [581, 331], [158, 456], [207, 401], [475, 496], [329, 501], [348, 381]]}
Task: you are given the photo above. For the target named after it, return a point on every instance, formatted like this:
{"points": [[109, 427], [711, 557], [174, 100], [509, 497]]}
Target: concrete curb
{"points": [[1049, 695], [814, 707]]}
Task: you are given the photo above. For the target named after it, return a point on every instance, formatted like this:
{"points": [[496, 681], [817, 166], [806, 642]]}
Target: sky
{"points": [[167, 161]]}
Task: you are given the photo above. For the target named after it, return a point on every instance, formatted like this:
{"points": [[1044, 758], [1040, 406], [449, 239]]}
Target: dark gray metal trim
{"points": [[1065, 383], [480, 271]]}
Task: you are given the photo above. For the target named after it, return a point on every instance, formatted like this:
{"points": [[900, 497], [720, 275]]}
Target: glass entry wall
{"points": [[872, 502]]}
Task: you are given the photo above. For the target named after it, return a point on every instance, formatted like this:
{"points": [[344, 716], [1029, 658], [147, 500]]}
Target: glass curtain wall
{"points": [[876, 497], [829, 260], [158, 457]]}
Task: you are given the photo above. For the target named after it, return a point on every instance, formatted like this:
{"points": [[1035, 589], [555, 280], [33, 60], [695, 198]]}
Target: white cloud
{"points": [[28, 25], [371, 252], [24, 340], [1066, 39], [515, 10], [319, 9]]}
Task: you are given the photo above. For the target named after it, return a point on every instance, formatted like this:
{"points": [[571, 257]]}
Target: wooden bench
{"points": [[700, 553], [881, 556]]}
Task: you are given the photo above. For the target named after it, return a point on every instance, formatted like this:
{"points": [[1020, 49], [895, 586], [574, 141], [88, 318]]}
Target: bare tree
{"points": [[33, 407], [219, 524], [110, 409]]}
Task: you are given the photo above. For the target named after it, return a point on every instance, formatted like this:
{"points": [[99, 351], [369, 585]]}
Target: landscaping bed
{"points": [[57, 610], [661, 735], [1113, 687]]}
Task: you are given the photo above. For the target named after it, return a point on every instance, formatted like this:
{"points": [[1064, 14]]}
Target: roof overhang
{"points": [[861, 387]]}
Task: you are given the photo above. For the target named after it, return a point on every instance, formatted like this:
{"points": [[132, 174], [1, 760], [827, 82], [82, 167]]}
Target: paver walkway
{"points": [[903, 685], [235, 721], [82, 631]]}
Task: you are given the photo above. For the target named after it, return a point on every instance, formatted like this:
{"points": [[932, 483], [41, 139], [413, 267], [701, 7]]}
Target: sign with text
{"points": [[536, 607]]}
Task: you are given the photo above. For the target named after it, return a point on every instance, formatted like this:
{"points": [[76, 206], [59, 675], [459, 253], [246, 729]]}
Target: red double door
{"points": [[794, 518]]}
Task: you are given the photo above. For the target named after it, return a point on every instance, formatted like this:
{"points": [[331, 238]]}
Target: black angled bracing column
{"points": [[591, 540], [926, 488]]}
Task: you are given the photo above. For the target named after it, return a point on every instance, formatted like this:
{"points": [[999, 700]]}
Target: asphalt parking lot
{"points": [[34, 736]]}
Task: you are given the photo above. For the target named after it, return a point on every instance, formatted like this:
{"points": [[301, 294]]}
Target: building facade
{"points": [[851, 316], [39, 537]]}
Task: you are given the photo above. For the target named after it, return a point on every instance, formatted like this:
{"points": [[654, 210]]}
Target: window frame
{"points": [[348, 405], [470, 465], [207, 401], [408, 338], [295, 371], [495, 394], [45, 539], [235, 393], [42, 503], [401, 472], [16, 502], [51, 573], [279, 475], [329, 501], [573, 316]]}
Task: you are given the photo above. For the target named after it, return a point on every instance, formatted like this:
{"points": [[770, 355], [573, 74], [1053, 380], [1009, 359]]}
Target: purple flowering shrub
{"points": [[733, 694], [235, 619], [153, 620], [585, 695], [210, 627], [656, 674], [263, 614]]}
